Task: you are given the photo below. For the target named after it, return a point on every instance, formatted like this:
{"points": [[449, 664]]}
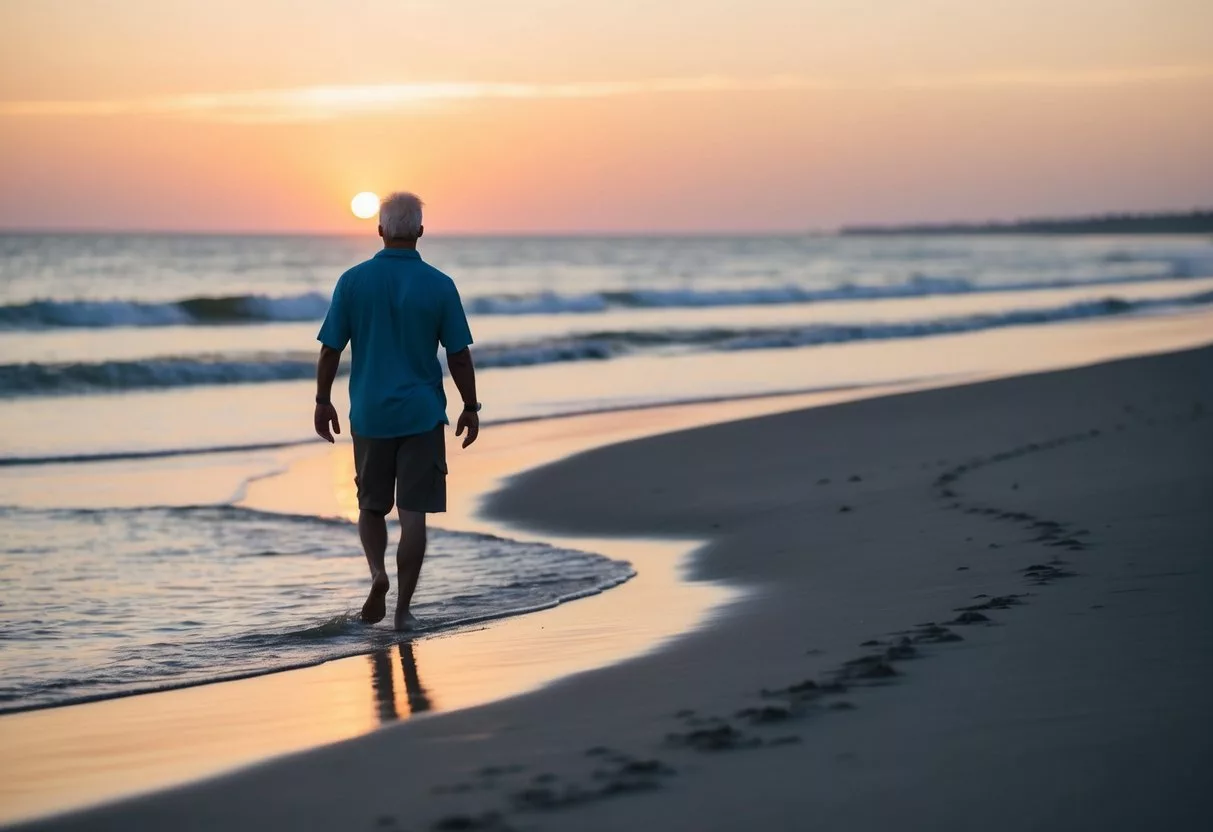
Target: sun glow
{"points": [[365, 205]]}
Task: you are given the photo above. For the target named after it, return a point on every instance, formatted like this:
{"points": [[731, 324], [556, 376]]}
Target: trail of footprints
{"points": [[766, 722], [880, 665]]}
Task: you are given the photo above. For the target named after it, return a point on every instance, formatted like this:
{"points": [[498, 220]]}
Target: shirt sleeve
{"points": [[454, 333], [335, 331]]}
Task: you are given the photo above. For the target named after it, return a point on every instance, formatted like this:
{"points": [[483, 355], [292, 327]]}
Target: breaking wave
{"points": [[27, 379], [311, 306]]}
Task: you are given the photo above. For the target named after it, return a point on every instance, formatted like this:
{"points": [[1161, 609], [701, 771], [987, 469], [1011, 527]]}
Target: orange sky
{"points": [[555, 115]]}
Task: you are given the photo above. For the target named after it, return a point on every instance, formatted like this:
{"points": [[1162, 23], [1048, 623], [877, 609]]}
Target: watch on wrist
{"points": [[323, 400], [474, 407]]}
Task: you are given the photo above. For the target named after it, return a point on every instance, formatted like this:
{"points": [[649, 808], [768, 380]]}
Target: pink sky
{"points": [[539, 115]]}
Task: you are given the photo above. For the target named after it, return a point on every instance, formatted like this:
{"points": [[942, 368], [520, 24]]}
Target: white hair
{"points": [[400, 216]]}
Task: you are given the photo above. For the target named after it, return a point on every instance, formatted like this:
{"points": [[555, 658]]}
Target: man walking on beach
{"points": [[396, 310]]}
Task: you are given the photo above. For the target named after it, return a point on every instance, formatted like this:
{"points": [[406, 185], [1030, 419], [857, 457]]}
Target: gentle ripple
{"points": [[119, 601]]}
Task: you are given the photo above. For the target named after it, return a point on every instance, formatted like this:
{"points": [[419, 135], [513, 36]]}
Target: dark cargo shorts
{"points": [[412, 468]]}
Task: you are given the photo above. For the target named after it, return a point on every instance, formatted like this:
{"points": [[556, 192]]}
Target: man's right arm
{"points": [[463, 373], [333, 336], [325, 414]]}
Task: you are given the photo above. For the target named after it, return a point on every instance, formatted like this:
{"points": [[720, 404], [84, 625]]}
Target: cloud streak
{"points": [[1072, 78], [322, 103], [329, 102]]}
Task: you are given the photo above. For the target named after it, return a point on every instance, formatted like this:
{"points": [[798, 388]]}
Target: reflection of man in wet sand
{"points": [[385, 688], [395, 310]]}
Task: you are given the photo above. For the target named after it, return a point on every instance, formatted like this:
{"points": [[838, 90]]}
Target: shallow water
{"points": [[106, 602]]}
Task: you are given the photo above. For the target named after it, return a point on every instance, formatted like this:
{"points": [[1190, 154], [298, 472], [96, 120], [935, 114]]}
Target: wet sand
{"points": [[984, 605]]}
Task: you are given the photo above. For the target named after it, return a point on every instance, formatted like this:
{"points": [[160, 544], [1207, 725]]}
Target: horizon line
{"points": [[804, 231], [604, 233]]}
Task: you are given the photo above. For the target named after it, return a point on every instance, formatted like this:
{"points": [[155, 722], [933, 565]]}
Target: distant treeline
{"points": [[1187, 222]]}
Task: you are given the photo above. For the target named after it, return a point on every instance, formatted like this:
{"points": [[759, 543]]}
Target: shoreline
{"points": [[291, 444], [780, 716], [487, 480], [317, 481]]}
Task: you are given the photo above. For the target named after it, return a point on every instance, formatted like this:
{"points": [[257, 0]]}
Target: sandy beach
{"points": [[982, 604]]}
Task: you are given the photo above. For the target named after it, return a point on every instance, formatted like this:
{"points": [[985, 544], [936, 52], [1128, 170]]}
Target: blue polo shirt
{"points": [[395, 310]]}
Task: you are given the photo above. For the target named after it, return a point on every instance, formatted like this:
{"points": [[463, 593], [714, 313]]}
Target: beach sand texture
{"points": [[984, 606]]}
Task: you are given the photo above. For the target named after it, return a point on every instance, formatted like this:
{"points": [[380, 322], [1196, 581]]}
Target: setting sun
{"points": [[365, 205]]}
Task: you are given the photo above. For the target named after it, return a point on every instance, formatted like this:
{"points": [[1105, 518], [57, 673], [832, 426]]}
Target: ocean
{"points": [[145, 380]]}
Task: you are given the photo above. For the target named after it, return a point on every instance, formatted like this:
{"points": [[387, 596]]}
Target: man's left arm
{"points": [[455, 334], [463, 373]]}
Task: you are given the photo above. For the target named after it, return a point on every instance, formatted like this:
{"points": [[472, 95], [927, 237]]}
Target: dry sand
{"points": [[1072, 510]]}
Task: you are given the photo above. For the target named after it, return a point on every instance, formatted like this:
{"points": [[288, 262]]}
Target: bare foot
{"points": [[405, 621], [375, 607]]}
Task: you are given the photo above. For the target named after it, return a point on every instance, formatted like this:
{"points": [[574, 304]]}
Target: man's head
{"points": [[400, 219]]}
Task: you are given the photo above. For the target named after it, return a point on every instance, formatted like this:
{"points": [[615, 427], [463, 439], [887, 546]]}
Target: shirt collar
{"points": [[407, 253]]}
